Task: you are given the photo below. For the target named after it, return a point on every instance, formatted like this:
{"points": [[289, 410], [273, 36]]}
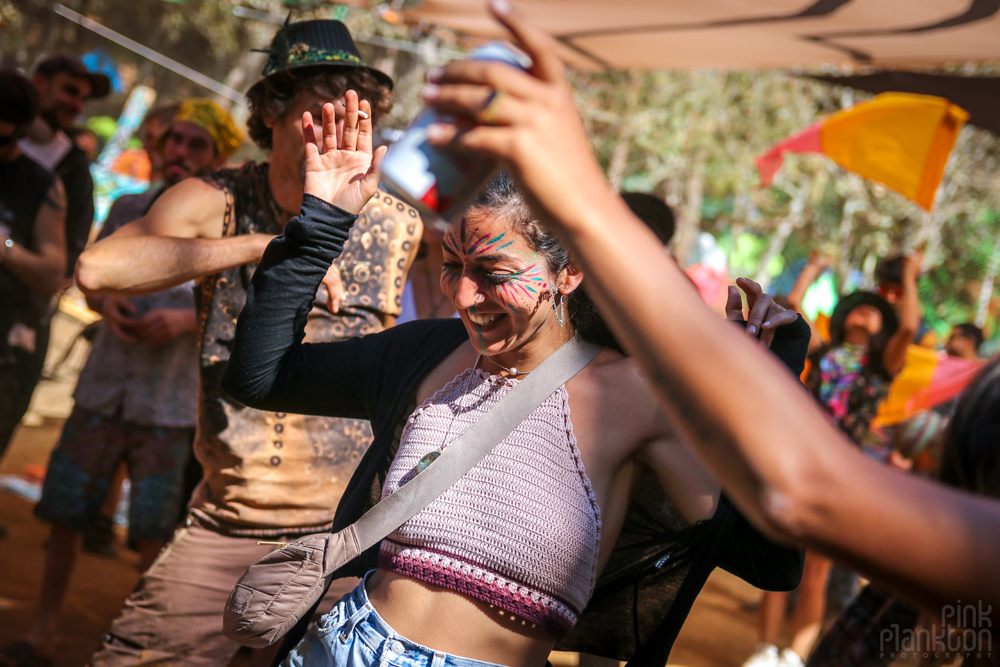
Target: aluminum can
{"points": [[440, 183]]}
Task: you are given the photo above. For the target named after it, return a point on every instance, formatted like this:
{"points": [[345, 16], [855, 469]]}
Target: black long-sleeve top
{"points": [[658, 565]]}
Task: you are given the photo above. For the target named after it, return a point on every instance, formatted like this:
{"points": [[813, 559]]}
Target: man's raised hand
{"points": [[342, 172]]}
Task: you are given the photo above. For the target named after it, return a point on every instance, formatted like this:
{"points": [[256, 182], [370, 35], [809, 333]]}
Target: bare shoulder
{"points": [[191, 209], [614, 385]]}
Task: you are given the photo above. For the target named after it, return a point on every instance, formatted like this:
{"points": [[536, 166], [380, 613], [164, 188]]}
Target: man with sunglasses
{"points": [[32, 249]]}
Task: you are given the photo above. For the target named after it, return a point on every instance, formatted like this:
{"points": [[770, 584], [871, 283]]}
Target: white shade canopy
{"points": [[746, 34]]}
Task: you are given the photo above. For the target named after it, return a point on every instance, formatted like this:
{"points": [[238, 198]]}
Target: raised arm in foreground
{"points": [[777, 456]]}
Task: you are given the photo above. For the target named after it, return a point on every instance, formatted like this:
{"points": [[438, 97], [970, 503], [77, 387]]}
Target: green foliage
{"points": [[691, 136], [724, 120]]}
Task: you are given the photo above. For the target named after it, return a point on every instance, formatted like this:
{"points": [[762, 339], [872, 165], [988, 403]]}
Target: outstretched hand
{"points": [[342, 170], [765, 315]]}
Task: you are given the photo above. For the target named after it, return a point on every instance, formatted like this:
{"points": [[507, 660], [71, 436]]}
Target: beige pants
{"points": [[174, 616]]}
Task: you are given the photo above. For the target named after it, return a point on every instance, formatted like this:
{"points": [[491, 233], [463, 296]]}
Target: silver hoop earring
{"points": [[558, 305]]}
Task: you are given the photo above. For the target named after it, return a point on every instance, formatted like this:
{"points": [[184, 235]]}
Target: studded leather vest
{"points": [[271, 472]]}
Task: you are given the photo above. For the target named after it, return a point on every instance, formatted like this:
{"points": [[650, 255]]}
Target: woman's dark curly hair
{"points": [[502, 198], [275, 95]]}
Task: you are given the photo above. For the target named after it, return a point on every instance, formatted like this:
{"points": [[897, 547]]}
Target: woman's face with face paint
{"points": [[497, 283]]}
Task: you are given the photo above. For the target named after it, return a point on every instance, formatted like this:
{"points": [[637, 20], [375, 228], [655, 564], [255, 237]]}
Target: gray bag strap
{"points": [[476, 442]]}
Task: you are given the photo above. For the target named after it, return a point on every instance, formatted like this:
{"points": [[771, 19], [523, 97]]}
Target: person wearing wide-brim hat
{"points": [[268, 476], [850, 377]]}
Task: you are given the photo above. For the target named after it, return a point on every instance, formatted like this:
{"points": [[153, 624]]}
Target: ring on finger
{"points": [[490, 112]]}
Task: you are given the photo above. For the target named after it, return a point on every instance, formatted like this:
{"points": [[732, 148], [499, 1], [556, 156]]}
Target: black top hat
{"points": [[100, 85], [312, 43], [890, 320]]}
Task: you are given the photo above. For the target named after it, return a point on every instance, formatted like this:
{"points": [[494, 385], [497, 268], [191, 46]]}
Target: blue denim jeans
{"points": [[354, 635]]}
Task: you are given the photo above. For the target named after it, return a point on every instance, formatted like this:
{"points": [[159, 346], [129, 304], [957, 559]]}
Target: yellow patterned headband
{"points": [[210, 117]]}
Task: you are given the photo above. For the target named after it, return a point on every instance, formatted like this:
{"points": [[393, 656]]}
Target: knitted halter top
{"points": [[521, 530]]}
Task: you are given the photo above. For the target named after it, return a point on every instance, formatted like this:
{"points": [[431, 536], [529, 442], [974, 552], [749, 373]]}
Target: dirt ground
{"points": [[720, 631]]}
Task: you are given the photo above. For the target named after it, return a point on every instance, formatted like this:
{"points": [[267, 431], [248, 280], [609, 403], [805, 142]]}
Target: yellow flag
{"points": [[899, 139], [917, 373]]}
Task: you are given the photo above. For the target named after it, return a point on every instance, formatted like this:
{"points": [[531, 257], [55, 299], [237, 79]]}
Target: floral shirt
{"points": [[850, 393]]}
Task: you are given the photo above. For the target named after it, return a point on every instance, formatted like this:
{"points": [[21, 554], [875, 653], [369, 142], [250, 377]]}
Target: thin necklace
{"points": [[433, 455], [512, 370]]}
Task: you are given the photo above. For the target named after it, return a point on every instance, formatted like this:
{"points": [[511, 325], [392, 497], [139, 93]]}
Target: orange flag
{"points": [[901, 140]]}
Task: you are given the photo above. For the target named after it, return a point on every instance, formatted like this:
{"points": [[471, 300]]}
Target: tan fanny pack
{"points": [[284, 585]]}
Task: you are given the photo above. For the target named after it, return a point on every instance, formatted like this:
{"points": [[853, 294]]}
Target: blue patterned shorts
{"points": [[84, 462]]}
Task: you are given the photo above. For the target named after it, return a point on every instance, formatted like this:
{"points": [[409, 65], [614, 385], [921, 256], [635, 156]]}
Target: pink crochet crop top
{"points": [[522, 529]]}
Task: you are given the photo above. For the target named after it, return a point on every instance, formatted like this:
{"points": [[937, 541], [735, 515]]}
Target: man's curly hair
{"points": [[275, 95]]}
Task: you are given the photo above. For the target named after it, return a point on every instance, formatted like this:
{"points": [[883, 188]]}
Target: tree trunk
{"points": [[619, 155], [928, 232], [844, 241], [986, 292], [689, 219], [779, 238]]}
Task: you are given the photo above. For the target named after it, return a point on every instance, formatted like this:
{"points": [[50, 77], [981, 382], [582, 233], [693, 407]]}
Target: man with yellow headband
{"points": [[136, 400]]}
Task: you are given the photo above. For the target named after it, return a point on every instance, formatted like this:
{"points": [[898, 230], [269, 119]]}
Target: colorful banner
{"points": [[901, 140]]}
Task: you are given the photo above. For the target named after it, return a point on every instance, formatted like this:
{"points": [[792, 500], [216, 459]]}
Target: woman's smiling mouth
{"points": [[484, 320]]}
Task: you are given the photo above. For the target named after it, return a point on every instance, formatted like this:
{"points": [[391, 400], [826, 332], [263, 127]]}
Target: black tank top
{"points": [[23, 185]]}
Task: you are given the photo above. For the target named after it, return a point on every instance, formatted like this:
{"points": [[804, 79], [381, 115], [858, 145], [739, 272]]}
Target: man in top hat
{"points": [[268, 476], [136, 398], [63, 86]]}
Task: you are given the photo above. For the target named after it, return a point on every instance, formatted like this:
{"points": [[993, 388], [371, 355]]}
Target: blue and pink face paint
{"points": [[517, 291]]}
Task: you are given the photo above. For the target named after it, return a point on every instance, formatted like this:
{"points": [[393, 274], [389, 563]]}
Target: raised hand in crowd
{"points": [[340, 166], [764, 315], [908, 308]]}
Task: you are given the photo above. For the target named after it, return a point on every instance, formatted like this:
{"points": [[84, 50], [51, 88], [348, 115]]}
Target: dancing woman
{"points": [[502, 565], [793, 474]]}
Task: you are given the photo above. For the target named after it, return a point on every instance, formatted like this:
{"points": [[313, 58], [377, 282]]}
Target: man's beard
{"points": [[169, 179]]}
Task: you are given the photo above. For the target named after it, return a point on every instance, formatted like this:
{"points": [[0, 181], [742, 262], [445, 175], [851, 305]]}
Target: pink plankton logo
{"points": [[961, 630]]}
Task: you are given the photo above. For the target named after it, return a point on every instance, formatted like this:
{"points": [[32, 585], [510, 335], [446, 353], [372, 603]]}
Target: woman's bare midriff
{"points": [[447, 621]]}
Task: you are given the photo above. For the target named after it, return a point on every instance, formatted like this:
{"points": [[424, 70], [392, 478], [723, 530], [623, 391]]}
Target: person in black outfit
{"points": [[32, 250], [662, 543], [62, 86]]}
